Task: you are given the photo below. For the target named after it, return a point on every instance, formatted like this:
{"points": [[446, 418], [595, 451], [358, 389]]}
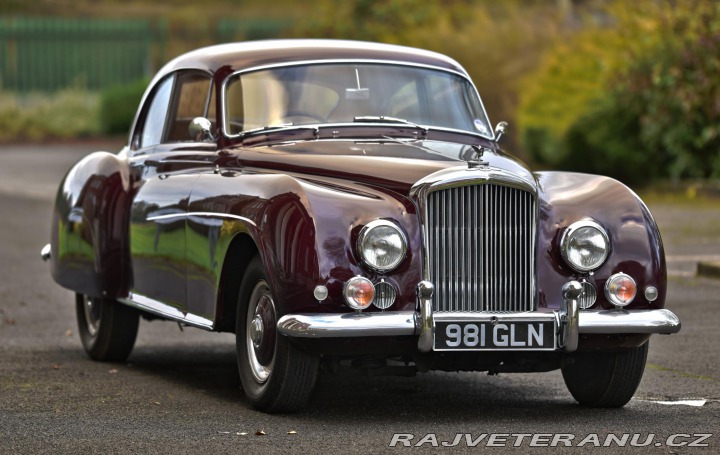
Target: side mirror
{"points": [[500, 130], [200, 130]]}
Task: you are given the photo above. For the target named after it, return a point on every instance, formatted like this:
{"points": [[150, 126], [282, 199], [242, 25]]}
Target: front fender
{"points": [[305, 231], [89, 254], [310, 232], [636, 246]]}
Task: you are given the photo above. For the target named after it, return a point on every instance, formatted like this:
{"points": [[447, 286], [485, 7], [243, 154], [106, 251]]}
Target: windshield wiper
{"points": [[279, 126], [384, 119], [265, 128]]}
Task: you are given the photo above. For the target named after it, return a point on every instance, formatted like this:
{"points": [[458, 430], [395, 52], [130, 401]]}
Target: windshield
{"points": [[343, 93]]}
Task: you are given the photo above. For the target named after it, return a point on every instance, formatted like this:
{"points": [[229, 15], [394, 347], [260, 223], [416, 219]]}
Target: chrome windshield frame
{"points": [[223, 92]]}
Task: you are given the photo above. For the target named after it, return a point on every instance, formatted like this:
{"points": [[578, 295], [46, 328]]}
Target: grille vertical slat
{"points": [[481, 247]]}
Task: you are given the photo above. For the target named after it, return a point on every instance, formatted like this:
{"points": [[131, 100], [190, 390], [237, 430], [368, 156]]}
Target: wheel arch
{"points": [[89, 227], [240, 252]]}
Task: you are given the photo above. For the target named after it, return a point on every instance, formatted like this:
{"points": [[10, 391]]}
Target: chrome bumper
{"points": [[628, 321], [348, 325], [571, 322]]}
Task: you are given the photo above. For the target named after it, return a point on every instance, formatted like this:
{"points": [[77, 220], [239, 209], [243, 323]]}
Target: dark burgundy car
{"points": [[346, 205]]}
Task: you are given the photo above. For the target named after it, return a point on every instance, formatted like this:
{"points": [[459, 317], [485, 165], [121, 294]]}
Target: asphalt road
{"points": [[180, 392]]}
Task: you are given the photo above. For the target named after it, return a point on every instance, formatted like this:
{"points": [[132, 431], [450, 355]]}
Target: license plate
{"points": [[494, 335]]}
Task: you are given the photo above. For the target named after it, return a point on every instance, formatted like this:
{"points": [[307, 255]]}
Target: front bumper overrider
{"points": [[570, 321]]}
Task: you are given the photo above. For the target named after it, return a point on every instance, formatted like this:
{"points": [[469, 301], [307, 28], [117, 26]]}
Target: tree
{"points": [[641, 94]]}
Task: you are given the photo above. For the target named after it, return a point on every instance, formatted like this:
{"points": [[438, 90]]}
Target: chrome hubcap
{"points": [[260, 333], [256, 331], [92, 315]]}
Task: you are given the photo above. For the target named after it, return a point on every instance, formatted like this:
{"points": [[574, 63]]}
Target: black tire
{"points": [[605, 379], [276, 375], [107, 328]]}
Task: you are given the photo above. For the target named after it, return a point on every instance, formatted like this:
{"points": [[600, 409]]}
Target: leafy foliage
{"points": [[66, 114], [371, 20], [118, 106], [640, 95], [69, 113], [676, 92]]}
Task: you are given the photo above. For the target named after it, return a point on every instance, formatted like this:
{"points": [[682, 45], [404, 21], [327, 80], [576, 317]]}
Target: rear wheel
{"points": [[107, 328], [605, 379], [276, 375]]}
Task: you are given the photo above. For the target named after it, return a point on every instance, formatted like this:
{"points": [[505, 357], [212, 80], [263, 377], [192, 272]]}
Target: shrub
{"points": [[605, 141], [65, 114], [651, 109], [661, 114], [118, 106]]}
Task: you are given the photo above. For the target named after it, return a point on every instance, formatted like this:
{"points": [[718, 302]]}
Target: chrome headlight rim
{"points": [[349, 292], [610, 286], [363, 235], [567, 235]]}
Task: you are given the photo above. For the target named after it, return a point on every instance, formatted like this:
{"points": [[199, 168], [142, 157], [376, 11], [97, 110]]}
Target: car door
{"points": [[165, 163]]}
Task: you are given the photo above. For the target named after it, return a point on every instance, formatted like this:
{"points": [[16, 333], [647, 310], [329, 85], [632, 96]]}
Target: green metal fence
{"points": [[49, 54], [39, 54]]}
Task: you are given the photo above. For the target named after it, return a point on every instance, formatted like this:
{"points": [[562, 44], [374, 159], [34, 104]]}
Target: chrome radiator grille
{"points": [[481, 248]]}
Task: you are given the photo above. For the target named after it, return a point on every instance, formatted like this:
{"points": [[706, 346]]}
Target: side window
{"points": [[155, 119], [192, 99]]}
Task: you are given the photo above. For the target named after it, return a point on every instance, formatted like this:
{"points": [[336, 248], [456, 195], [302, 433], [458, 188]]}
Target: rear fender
{"points": [[89, 234]]}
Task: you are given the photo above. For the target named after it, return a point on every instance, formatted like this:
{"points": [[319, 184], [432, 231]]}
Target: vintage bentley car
{"points": [[345, 205]]}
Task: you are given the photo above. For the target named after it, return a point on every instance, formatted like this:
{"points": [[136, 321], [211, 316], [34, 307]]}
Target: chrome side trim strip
{"points": [[334, 325], [202, 214], [628, 321], [166, 311]]}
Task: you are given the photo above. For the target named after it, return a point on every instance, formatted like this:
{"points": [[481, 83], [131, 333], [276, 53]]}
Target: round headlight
{"points": [[382, 245], [585, 246]]}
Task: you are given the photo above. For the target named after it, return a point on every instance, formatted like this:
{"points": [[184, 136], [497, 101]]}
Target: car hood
{"points": [[395, 165]]}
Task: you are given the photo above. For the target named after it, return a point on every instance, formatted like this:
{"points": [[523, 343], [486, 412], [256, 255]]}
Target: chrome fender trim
{"points": [[628, 321], [342, 325]]}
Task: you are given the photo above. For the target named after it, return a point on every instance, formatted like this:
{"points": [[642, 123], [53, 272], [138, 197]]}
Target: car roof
{"points": [[232, 57]]}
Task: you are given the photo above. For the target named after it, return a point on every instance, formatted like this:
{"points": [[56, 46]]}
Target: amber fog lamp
{"points": [[620, 289], [585, 246], [359, 293], [382, 245]]}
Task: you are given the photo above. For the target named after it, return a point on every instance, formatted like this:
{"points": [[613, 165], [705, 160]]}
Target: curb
{"points": [[709, 269]]}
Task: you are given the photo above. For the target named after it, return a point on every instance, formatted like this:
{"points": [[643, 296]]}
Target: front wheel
{"points": [[107, 328], [605, 379], [275, 375]]}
